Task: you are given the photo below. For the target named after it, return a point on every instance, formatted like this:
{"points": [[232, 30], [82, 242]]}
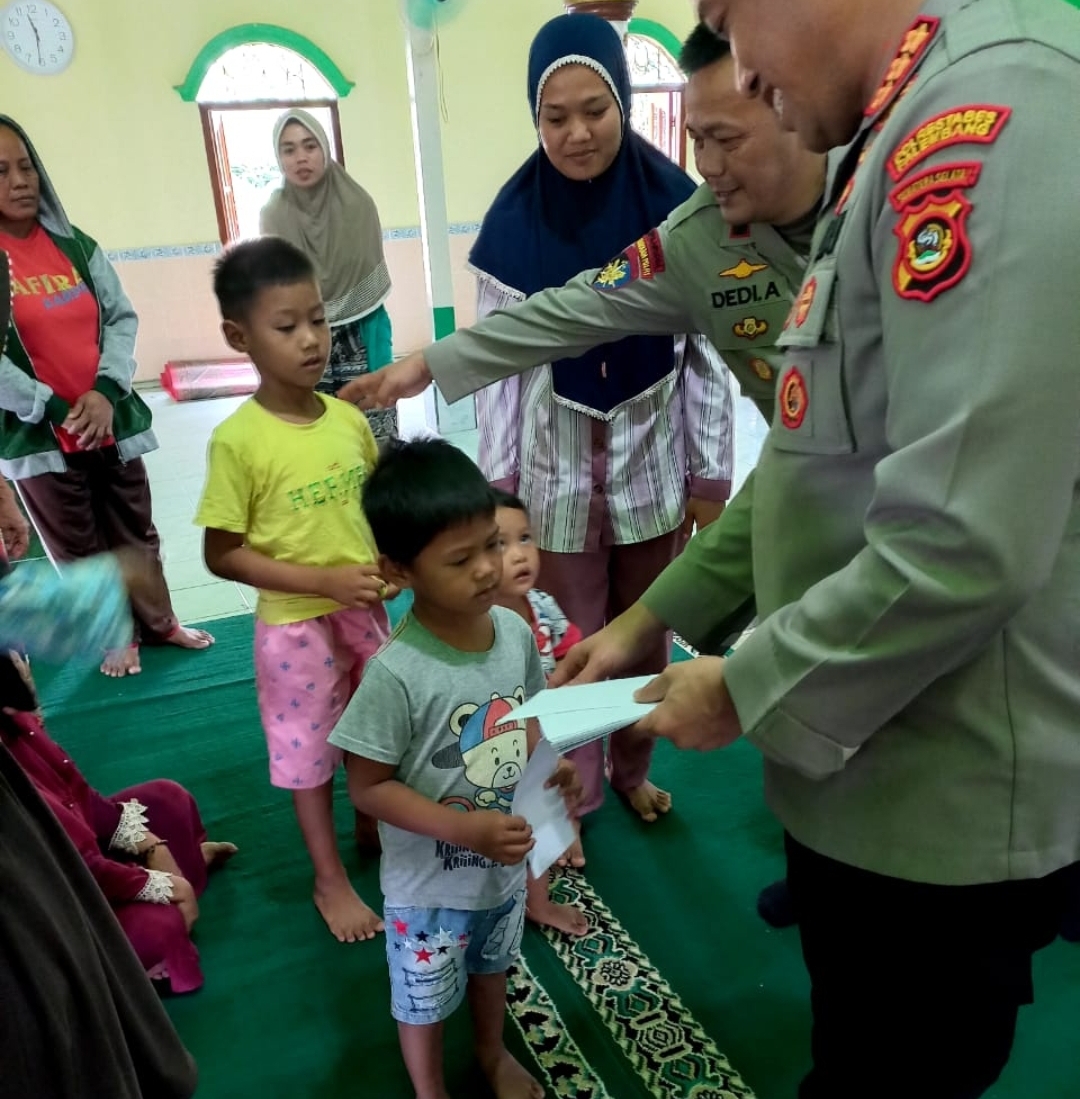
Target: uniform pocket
{"points": [[811, 410]]}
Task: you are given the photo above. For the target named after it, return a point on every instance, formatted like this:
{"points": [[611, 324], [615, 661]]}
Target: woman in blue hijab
{"points": [[606, 450]]}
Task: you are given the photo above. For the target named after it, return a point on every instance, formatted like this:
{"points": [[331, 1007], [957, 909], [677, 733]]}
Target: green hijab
{"points": [[336, 224]]}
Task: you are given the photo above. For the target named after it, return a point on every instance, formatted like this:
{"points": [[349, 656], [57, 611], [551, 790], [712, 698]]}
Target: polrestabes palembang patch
{"points": [[975, 124], [935, 251], [644, 259]]}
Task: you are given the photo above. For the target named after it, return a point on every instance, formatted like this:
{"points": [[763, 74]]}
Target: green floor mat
{"points": [[681, 979]]}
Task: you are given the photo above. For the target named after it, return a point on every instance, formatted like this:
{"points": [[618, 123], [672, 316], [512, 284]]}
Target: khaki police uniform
{"points": [[916, 492], [733, 285], [915, 682]]}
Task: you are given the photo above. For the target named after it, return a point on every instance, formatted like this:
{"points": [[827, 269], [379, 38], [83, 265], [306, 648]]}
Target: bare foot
{"points": [[508, 1078], [648, 801], [563, 917], [349, 919], [121, 662], [574, 855], [217, 854], [184, 637]]}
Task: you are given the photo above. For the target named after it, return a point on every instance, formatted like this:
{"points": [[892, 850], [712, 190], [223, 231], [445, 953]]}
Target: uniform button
{"points": [[598, 490]]}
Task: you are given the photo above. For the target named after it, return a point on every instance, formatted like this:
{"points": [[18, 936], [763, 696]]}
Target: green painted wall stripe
{"points": [[443, 319], [260, 32]]}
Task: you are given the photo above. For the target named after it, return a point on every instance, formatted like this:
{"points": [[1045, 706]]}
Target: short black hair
{"points": [[248, 268], [701, 49], [418, 489], [504, 499]]}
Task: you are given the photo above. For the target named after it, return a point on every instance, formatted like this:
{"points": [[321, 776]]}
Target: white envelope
{"points": [[572, 716], [544, 809]]}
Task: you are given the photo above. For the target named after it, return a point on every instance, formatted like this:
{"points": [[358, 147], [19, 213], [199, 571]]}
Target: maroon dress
{"points": [[156, 931]]}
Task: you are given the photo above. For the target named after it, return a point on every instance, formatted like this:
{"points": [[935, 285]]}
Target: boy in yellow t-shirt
{"points": [[282, 512]]}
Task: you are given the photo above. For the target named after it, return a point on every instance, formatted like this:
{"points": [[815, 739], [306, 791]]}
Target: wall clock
{"points": [[37, 36]]}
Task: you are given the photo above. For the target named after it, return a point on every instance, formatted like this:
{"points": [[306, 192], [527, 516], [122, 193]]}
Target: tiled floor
{"points": [[178, 468]]}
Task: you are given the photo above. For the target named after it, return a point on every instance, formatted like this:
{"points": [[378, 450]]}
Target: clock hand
{"points": [[37, 38]]}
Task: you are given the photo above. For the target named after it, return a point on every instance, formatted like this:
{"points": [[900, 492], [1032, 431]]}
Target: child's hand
{"points": [[567, 779], [389, 591], [497, 836], [352, 585]]}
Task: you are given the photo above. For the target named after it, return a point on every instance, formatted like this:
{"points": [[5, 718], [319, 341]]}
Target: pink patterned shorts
{"points": [[305, 674]]}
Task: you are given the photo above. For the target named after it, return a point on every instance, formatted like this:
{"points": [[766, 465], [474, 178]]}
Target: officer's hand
{"points": [[382, 388], [617, 647], [695, 708]]}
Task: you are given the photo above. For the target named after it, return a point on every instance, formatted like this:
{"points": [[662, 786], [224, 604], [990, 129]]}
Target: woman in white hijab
{"points": [[323, 211]]}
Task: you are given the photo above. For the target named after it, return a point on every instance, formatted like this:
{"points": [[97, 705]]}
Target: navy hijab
{"points": [[543, 228]]}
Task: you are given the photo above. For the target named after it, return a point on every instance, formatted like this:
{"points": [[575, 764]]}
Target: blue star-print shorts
{"points": [[432, 952]]}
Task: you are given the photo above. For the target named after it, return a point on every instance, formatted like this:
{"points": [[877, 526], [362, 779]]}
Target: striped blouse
{"points": [[655, 453]]}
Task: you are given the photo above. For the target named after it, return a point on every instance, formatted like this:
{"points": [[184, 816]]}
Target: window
{"points": [[657, 106], [240, 98]]}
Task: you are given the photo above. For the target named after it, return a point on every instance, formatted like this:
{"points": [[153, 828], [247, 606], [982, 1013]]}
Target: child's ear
{"points": [[235, 336], [393, 573]]}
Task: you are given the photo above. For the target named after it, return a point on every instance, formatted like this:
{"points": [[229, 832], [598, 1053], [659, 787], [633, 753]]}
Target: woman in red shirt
{"points": [[72, 429]]}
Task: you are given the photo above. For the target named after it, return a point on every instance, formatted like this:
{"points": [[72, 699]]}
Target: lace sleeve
{"points": [[131, 830], [158, 888]]}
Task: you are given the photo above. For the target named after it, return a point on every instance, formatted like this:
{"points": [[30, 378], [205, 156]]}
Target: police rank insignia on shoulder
{"points": [[644, 259]]}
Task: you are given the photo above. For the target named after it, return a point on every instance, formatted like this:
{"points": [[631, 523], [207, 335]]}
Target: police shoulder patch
{"points": [[934, 251], [973, 124], [644, 259]]}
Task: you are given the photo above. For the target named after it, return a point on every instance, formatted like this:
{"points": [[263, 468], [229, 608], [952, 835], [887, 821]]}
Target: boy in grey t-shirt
{"points": [[425, 757]]}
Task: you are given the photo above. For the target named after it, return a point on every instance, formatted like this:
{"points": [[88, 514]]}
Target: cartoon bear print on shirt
{"points": [[493, 756]]}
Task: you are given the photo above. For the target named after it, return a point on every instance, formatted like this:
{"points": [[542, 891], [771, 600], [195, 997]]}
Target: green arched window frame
{"points": [[649, 28], [271, 34], [673, 142]]}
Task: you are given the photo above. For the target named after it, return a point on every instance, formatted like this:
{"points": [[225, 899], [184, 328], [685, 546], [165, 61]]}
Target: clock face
{"points": [[37, 36]]}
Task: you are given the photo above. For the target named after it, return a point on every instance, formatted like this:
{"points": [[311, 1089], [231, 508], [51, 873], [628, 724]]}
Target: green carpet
{"points": [[678, 978]]}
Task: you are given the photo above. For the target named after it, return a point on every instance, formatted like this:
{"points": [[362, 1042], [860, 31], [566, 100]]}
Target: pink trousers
{"points": [[593, 588]]}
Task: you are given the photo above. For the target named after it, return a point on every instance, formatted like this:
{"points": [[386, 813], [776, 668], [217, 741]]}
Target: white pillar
{"points": [[434, 225]]}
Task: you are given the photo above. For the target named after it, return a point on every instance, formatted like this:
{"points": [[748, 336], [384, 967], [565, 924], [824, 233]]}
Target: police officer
{"points": [[914, 682]]}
